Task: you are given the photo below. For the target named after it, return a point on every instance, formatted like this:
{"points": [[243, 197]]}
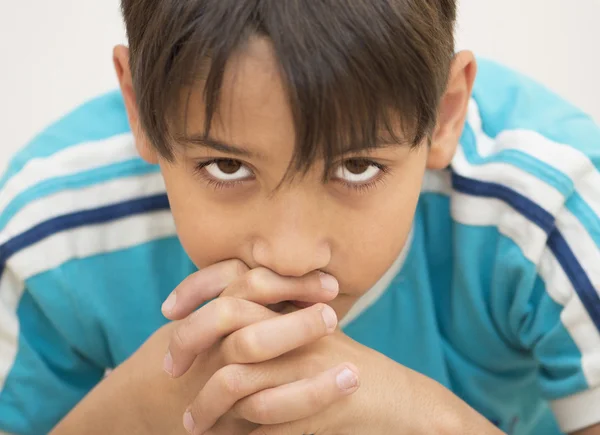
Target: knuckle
{"points": [[315, 396], [226, 309], [311, 324], [239, 267], [257, 280], [313, 366], [259, 410], [245, 347], [311, 283], [179, 339], [230, 380]]}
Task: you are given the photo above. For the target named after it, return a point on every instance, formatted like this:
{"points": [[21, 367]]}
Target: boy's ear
{"points": [[452, 111], [143, 145]]}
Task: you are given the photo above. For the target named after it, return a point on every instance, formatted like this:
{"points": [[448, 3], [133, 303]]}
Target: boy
{"points": [[323, 160]]}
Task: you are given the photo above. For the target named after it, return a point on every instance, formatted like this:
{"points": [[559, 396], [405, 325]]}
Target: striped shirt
{"points": [[496, 294]]}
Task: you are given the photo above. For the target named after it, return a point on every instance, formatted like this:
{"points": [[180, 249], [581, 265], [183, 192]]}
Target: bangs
{"points": [[357, 73]]}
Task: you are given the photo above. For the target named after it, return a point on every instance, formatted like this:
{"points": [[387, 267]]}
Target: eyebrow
{"points": [[241, 151], [217, 145]]}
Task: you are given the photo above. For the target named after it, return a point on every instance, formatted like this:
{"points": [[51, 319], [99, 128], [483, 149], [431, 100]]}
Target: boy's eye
{"points": [[357, 171], [228, 170]]}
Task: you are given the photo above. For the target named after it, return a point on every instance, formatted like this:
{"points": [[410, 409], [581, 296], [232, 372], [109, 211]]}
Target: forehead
{"points": [[253, 108], [265, 116]]}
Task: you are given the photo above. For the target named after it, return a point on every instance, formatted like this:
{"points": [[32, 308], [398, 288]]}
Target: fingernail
{"points": [[329, 317], [329, 283], [188, 422], [168, 364], [169, 304], [347, 379]]}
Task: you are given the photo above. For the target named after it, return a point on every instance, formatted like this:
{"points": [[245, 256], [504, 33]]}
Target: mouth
{"points": [[301, 304], [287, 306]]}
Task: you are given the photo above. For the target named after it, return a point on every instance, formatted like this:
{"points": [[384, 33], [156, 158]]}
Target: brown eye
{"points": [[229, 166], [357, 166], [228, 170], [357, 171]]}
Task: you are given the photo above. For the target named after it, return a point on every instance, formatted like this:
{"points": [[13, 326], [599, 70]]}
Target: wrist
{"points": [[114, 406], [428, 407], [452, 416], [161, 400], [136, 398]]}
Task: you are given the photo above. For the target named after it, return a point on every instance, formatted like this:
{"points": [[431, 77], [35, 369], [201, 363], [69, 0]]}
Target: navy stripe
{"points": [[584, 287], [79, 219], [522, 204], [556, 242]]}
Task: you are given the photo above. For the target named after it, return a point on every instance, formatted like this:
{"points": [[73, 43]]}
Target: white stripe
{"points": [[574, 316], [65, 246], [558, 285], [71, 201], [373, 295], [585, 249], [472, 210], [72, 160], [91, 240], [437, 182], [11, 290], [485, 144], [570, 161], [578, 412]]}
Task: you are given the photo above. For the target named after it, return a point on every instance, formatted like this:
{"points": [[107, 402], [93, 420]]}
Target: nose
{"points": [[293, 242]]}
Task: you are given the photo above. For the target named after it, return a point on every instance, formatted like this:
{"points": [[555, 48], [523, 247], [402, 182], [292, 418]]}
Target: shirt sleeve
{"points": [[53, 345], [535, 159], [561, 321], [43, 372]]}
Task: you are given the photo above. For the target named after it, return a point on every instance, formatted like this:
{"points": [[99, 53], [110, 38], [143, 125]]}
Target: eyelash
{"points": [[218, 185], [214, 184], [370, 185]]}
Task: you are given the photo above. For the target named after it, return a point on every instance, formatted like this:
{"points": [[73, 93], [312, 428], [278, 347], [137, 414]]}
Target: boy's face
{"points": [[227, 205]]}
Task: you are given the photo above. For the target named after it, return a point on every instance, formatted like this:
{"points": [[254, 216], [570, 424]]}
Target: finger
{"points": [[238, 380], [202, 286], [271, 338], [228, 385], [201, 330], [265, 287], [299, 400]]}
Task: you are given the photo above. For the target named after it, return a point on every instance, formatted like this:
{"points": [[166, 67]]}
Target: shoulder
{"points": [[78, 190], [528, 167], [88, 251], [531, 160]]}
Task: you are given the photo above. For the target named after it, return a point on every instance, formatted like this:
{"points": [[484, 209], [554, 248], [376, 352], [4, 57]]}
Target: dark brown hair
{"points": [[352, 68]]}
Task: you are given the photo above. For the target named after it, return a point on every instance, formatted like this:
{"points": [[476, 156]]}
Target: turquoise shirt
{"points": [[495, 295]]}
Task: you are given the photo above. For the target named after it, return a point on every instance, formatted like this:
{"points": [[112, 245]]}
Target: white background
{"points": [[54, 54]]}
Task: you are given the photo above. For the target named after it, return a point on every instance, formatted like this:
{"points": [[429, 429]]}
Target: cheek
{"points": [[208, 233], [204, 238], [375, 236], [371, 248]]}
